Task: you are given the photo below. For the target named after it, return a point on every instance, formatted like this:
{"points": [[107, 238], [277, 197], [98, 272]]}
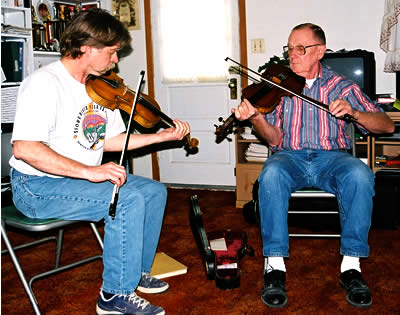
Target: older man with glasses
{"points": [[310, 151]]}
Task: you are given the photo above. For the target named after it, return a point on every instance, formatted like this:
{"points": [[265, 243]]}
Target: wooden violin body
{"points": [[263, 96], [111, 92]]}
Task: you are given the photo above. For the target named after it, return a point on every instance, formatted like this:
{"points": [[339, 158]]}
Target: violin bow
{"points": [[115, 194], [303, 97]]}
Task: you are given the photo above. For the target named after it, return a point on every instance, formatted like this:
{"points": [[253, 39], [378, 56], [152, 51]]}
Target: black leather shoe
{"points": [[358, 293], [274, 293]]}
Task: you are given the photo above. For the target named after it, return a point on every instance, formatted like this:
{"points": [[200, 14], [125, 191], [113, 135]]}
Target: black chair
{"points": [[251, 209], [10, 216]]}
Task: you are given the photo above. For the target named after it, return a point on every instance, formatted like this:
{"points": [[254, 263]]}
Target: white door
{"points": [[200, 104]]}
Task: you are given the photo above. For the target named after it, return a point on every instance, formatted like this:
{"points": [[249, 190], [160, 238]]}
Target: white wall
{"points": [[349, 24]]}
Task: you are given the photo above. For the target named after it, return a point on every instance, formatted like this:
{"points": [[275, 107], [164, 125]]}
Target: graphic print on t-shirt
{"points": [[90, 127]]}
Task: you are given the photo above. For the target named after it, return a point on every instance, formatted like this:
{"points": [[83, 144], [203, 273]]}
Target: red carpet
{"points": [[312, 269]]}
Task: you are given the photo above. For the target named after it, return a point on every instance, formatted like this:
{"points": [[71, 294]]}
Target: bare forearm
{"points": [[47, 160], [375, 122], [266, 131], [269, 133], [116, 143], [140, 140]]}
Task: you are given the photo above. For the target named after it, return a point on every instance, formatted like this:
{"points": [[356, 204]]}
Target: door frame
{"points": [[150, 61]]}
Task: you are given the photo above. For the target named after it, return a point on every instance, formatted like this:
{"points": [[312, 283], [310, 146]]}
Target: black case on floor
{"points": [[221, 265]]}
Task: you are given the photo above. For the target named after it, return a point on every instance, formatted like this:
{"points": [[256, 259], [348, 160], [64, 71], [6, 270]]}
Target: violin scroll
{"points": [[226, 128], [191, 145]]}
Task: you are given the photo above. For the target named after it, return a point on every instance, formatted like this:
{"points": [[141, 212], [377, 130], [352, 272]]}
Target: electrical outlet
{"points": [[257, 45]]}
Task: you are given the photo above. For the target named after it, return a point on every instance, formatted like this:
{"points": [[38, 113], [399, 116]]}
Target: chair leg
{"points": [[34, 243], [28, 285], [18, 268], [59, 246], [58, 268], [97, 234]]}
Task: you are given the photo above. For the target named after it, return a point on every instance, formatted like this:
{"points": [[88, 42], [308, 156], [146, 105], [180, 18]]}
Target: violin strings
{"points": [[248, 76]]}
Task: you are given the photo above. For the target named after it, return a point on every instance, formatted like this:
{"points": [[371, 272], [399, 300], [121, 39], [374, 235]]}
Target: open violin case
{"points": [[222, 254]]}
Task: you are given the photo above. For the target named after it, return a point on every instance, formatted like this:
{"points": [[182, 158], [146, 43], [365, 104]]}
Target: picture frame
{"points": [[44, 10], [127, 11]]}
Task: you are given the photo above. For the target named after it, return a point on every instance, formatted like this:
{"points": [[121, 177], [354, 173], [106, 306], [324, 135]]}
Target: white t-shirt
{"points": [[54, 108]]}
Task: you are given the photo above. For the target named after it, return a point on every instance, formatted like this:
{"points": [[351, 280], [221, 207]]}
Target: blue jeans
{"points": [[337, 172], [130, 240]]}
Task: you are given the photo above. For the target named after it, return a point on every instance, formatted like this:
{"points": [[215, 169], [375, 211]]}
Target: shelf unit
{"points": [[385, 145], [17, 59], [47, 33], [246, 172]]}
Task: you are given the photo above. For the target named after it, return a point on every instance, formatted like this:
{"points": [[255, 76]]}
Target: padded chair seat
{"points": [[13, 217]]}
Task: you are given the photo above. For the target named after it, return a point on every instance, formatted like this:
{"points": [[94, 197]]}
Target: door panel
{"points": [[200, 104]]}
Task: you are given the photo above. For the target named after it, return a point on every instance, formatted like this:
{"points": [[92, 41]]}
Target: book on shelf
{"points": [[385, 100], [248, 134], [393, 161], [8, 103], [12, 53], [256, 152], [165, 266], [257, 147]]}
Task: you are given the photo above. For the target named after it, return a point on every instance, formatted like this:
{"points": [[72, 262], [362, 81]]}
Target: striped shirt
{"points": [[305, 126]]}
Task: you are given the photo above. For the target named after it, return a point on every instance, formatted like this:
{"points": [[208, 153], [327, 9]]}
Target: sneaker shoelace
{"points": [[147, 277], [133, 298]]}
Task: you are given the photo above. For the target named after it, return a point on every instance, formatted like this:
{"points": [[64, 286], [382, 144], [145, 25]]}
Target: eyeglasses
{"points": [[298, 49]]}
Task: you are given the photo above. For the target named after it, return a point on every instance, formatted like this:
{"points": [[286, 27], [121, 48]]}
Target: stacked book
{"points": [[256, 152], [248, 134]]}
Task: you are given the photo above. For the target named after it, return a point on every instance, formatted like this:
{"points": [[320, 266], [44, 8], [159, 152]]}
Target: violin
{"points": [[110, 91], [266, 92]]}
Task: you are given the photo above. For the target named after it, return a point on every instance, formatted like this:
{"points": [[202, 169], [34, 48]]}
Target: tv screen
{"points": [[356, 65]]}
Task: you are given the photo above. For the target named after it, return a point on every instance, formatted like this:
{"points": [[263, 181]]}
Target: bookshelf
{"points": [[385, 146], [247, 172], [16, 58], [47, 28]]}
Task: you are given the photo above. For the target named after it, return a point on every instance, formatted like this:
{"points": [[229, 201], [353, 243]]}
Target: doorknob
{"points": [[233, 87]]}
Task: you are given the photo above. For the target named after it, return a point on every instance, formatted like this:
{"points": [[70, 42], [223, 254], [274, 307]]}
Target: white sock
{"points": [[274, 263], [349, 262]]}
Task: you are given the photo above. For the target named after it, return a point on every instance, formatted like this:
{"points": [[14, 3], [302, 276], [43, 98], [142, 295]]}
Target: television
{"points": [[355, 65]]}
